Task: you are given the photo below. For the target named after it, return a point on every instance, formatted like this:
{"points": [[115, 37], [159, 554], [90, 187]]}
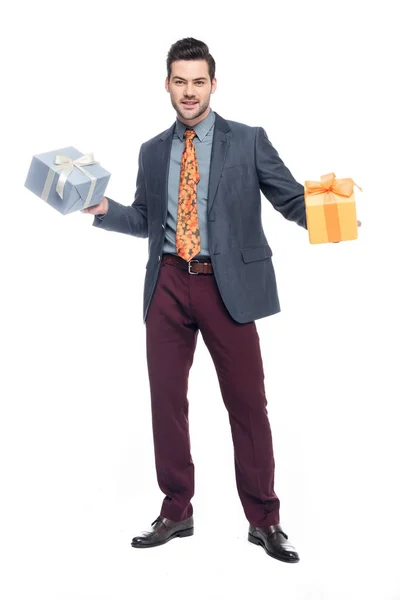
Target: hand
{"points": [[97, 209], [358, 225]]}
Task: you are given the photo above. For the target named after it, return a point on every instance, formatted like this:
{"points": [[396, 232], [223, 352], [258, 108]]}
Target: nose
{"points": [[189, 91]]}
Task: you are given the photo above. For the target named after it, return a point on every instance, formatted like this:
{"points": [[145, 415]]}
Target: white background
{"points": [[77, 469]]}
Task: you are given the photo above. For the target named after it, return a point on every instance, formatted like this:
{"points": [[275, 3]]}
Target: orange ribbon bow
{"points": [[329, 183]]}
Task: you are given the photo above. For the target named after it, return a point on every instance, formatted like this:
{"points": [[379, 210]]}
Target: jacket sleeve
{"points": [[276, 181], [132, 219]]}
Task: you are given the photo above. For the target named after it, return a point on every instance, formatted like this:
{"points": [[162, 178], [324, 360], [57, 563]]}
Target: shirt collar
{"points": [[202, 128]]}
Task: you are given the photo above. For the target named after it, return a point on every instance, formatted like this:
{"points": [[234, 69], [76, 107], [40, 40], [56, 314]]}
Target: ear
{"points": [[167, 84]]}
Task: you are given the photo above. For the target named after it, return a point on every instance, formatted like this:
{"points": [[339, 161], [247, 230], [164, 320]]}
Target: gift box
{"points": [[331, 209], [67, 180]]}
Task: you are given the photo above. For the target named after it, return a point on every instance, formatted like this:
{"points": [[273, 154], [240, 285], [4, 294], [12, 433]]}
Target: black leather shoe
{"points": [[273, 540], [163, 530]]}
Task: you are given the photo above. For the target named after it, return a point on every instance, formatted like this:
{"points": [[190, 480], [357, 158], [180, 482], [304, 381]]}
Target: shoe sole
{"points": [[182, 534], [255, 540]]}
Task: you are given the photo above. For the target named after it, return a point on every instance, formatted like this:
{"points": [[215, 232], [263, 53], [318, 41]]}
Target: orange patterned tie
{"points": [[187, 227]]}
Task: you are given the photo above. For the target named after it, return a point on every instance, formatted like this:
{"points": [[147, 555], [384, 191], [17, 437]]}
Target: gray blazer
{"points": [[243, 162]]}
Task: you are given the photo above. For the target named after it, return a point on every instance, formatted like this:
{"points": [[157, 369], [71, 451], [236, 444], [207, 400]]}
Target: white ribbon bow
{"points": [[66, 166]]}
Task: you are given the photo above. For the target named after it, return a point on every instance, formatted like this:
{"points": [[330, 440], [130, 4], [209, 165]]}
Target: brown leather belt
{"points": [[194, 267]]}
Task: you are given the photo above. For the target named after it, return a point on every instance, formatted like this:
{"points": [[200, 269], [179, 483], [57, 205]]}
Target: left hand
{"points": [[358, 225]]}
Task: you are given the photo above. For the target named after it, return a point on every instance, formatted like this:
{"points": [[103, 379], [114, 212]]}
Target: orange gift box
{"points": [[331, 209]]}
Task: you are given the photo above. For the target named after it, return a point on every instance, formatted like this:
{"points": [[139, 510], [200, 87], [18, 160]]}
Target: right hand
{"points": [[97, 209]]}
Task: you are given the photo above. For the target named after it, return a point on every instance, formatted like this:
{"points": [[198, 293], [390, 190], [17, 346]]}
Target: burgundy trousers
{"points": [[181, 305]]}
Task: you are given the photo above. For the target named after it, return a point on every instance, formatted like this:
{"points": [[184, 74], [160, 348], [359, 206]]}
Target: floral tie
{"points": [[187, 226]]}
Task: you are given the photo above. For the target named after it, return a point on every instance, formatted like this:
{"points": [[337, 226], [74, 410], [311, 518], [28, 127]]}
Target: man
{"points": [[209, 268]]}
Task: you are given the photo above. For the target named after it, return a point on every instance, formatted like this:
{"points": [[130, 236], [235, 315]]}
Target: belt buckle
{"points": [[189, 265]]}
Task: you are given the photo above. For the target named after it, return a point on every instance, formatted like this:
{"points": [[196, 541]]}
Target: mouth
{"points": [[187, 104]]}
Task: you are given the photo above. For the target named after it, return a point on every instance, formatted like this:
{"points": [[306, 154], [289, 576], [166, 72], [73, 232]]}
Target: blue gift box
{"points": [[67, 180]]}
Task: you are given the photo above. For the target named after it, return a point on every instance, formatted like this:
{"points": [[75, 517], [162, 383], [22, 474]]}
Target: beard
{"points": [[193, 113]]}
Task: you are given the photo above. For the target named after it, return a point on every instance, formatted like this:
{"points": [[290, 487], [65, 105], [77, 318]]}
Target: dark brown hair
{"points": [[190, 49]]}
